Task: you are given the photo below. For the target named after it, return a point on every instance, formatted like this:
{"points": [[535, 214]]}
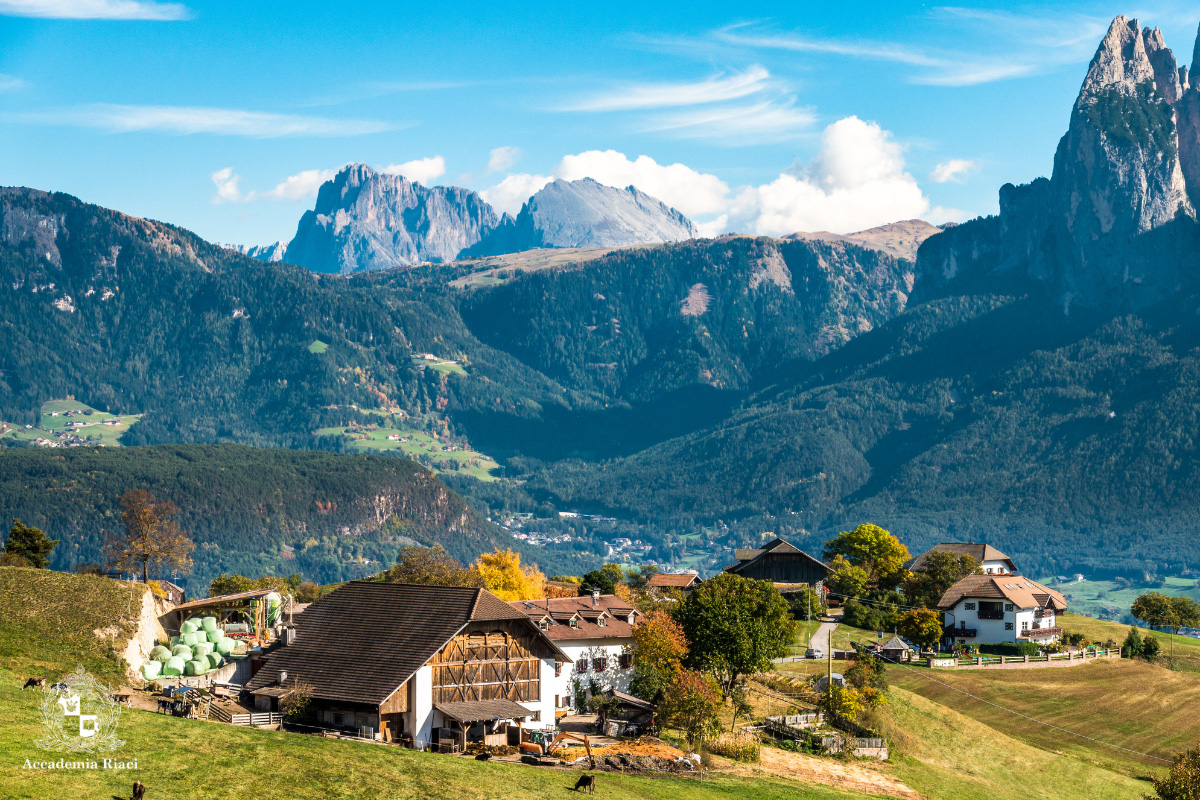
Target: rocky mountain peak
{"points": [[1121, 58], [1162, 61]]}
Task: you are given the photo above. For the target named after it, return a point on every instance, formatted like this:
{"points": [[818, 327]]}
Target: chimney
{"points": [[282, 676], [595, 597]]}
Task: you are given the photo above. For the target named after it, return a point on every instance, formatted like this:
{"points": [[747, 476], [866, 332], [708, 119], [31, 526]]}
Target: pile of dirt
{"points": [[619, 762], [645, 746]]}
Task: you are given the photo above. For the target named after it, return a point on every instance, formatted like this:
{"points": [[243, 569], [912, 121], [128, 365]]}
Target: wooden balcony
{"points": [[1041, 633], [961, 633]]}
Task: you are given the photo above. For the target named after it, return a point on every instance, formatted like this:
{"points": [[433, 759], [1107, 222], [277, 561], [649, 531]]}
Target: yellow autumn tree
{"points": [[504, 576]]}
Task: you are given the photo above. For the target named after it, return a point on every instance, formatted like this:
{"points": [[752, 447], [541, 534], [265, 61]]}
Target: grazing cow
{"points": [[483, 756], [139, 790], [61, 687], [164, 705], [36, 683], [588, 782]]}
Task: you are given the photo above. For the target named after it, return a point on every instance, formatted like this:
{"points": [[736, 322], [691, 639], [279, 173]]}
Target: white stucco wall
{"points": [[544, 705], [419, 724], [612, 678], [995, 567]]}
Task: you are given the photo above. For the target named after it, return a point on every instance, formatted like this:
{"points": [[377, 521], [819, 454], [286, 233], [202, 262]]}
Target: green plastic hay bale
{"points": [[174, 641], [151, 670], [214, 636], [192, 639], [160, 653], [202, 649], [189, 626], [174, 666], [225, 646], [195, 667], [215, 660], [182, 651], [208, 623]]}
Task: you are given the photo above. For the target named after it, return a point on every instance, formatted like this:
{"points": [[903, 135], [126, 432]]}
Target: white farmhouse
{"points": [[991, 560], [1000, 608], [595, 633]]}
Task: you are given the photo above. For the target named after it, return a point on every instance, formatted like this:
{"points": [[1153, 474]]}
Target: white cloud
{"points": [[226, 181], [95, 9], [955, 170], [421, 170], [769, 121], [511, 193], [856, 181], [300, 186], [8, 82], [716, 89], [502, 158], [189, 120], [677, 185]]}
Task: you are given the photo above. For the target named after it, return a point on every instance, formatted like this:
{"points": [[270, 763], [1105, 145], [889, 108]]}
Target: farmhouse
{"points": [[669, 580], [990, 559], [783, 564], [594, 632], [1000, 608], [427, 666]]}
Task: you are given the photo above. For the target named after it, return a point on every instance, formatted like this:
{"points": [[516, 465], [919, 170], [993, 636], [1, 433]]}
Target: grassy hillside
{"points": [[48, 623], [946, 755], [1186, 649], [1130, 704]]}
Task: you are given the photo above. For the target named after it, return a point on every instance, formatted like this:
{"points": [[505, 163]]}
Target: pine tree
{"points": [[1132, 647]]}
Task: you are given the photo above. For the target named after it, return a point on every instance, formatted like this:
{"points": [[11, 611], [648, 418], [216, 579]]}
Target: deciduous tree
{"points": [[735, 627], [920, 625], [873, 549], [691, 704], [846, 579], [431, 566], [30, 544], [1182, 781], [940, 571], [151, 536], [504, 576], [659, 647]]}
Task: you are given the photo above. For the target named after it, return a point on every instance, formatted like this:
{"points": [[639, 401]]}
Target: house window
{"points": [[599, 664], [600, 622], [581, 665], [537, 717], [1008, 626], [989, 571], [1024, 625], [625, 660], [556, 699], [991, 610], [969, 606], [557, 669], [1008, 606], [337, 720]]}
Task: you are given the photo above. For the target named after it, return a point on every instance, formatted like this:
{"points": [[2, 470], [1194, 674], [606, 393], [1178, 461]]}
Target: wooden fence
{"points": [[253, 719]]}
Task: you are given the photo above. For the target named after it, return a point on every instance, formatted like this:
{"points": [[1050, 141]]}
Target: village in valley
{"points": [[789, 664]]}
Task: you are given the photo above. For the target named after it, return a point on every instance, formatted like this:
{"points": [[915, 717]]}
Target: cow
{"points": [[588, 782], [164, 705], [139, 790], [36, 683]]}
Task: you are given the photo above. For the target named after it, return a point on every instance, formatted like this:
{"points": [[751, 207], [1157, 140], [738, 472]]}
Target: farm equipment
{"points": [[578, 737]]}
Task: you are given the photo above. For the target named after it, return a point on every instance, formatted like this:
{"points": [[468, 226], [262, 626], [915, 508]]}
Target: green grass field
{"points": [[495, 270], [441, 365], [318, 346], [415, 444], [54, 423]]}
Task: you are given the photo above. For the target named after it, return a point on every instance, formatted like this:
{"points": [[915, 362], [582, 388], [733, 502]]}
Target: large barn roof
{"points": [[361, 642]]}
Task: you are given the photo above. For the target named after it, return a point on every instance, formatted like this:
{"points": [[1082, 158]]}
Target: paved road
{"points": [[820, 639]]}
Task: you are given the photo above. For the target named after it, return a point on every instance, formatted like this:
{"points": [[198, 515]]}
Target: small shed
{"points": [[896, 650], [823, 681]]}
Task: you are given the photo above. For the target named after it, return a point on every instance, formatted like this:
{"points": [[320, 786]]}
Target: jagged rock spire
{"points": [[1121, 59], [1164, 65]]}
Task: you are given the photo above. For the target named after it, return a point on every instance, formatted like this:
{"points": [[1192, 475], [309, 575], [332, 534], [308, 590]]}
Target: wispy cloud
{"points": [[501, 158], [185, 120], [95, 9], [955, 170], [422, 170], [9, 82], [767, 121], [717, 89]]}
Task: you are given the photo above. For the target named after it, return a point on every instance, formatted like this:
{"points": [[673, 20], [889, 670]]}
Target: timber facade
{"points": [[781, 563]]}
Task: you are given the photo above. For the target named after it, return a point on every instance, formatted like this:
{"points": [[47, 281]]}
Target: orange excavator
{"points": [[577, 737]]}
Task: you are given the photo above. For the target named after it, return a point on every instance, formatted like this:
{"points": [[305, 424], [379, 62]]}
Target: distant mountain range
{"points": [[367, 220]]}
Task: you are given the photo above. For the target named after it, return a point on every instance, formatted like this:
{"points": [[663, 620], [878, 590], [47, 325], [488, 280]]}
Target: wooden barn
{"points": [[429, 666], [783, 564]]}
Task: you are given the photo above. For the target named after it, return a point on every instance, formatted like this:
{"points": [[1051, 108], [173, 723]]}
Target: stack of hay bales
{"points": [[200, 647]]}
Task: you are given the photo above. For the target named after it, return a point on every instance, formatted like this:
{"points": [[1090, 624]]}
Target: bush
{"points": [[861, 615], [738, 746], [1009, 649]]}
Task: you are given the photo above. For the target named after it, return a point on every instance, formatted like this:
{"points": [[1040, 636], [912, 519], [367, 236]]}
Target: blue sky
{"points": [[764, 118]]}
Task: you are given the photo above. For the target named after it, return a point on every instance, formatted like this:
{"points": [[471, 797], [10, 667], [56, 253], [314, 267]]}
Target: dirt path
{"points": [[853, 776]]}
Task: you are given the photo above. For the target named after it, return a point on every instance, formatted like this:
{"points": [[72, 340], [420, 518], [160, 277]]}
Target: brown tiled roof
{"points": [[483, 710], [979, 552], [563, 608], [665, 580], [1020, 591], [364, 640]]}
